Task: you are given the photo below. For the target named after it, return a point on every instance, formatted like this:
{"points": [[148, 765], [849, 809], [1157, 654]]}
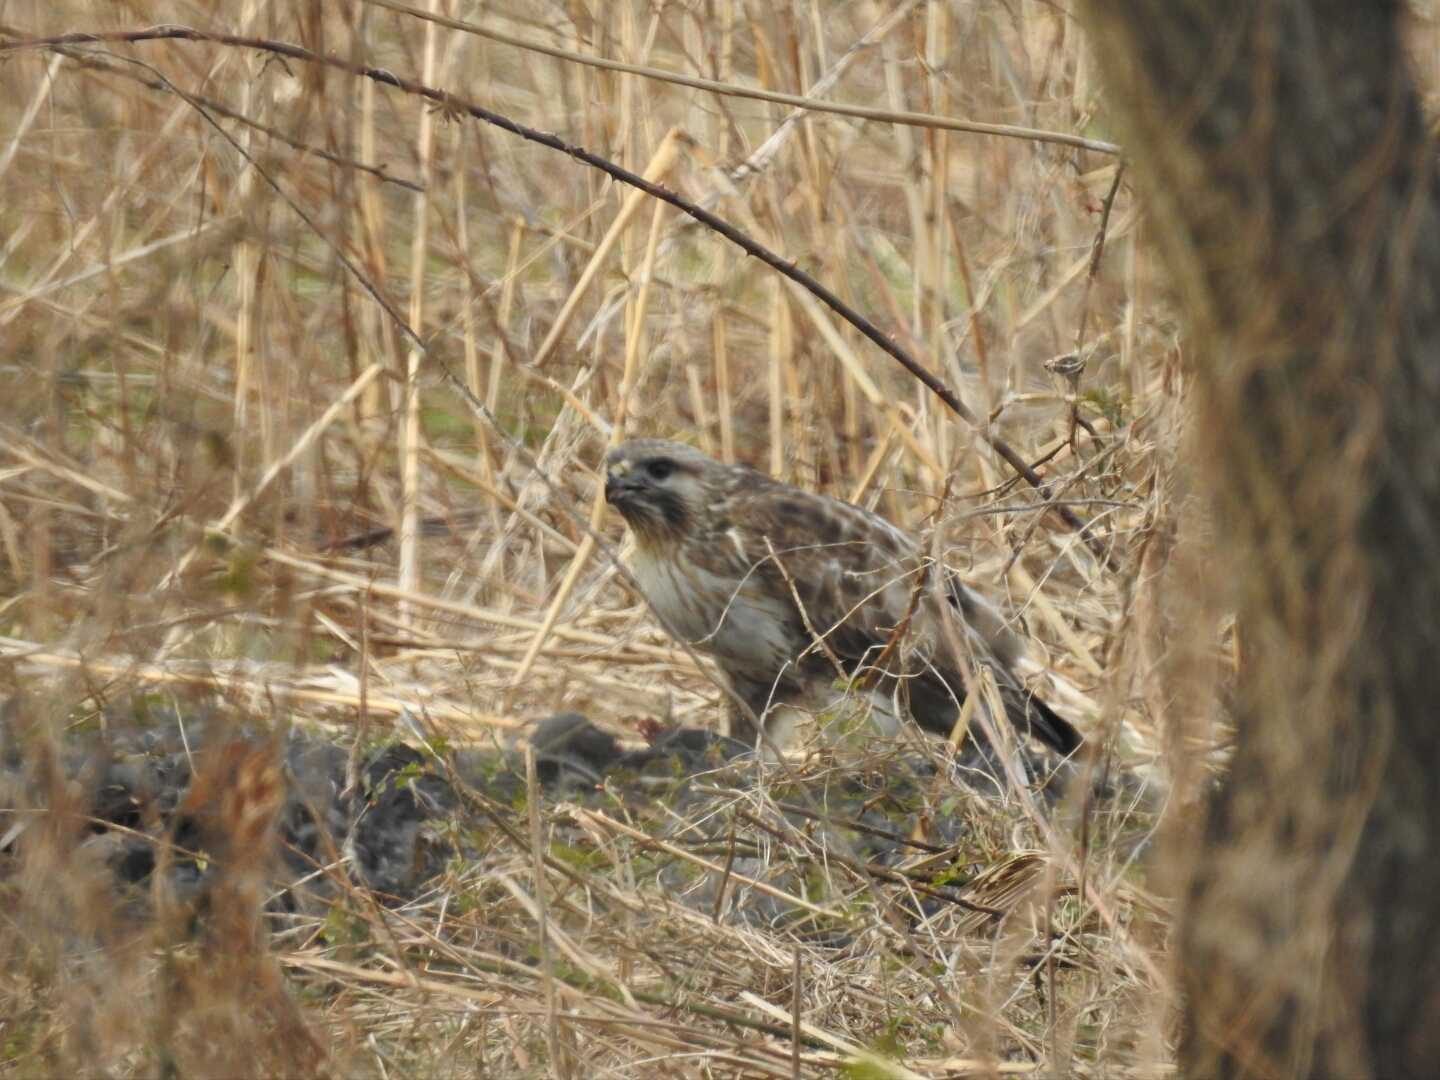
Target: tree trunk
{"points": [[1290, 179]]}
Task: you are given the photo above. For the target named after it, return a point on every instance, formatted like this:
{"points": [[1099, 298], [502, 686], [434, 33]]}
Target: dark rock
{"points": [[570, 751], [395, 825]]}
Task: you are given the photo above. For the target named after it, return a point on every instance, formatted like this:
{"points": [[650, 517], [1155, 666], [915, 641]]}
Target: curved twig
{"points": [[809, 104], [456, 106]]}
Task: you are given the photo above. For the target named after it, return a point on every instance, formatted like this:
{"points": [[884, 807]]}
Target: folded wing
{"points": [[876, 601]]}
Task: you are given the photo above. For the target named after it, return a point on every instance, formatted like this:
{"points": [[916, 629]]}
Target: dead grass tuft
{"points": [[206, 401]]}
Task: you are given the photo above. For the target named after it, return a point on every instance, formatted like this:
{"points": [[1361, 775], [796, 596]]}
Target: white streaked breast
{"points": [[738, 625]]}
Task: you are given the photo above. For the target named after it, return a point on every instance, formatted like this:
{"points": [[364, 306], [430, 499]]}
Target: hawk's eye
{"points": [[660, 468]]}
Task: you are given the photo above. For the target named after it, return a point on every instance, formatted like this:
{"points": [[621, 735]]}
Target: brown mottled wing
{"points": [[853, 572], [855, 575]]}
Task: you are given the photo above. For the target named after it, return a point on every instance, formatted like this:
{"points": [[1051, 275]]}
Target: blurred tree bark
{"points": [[1290, 180]]}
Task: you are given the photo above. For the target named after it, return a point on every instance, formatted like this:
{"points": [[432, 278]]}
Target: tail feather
{"points": [[933, 703], [1044, 723]]}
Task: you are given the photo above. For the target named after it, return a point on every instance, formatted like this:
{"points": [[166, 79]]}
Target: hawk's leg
{"points": [[765, 703], [738, 724]]}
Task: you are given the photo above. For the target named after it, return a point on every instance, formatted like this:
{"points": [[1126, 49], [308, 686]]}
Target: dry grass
{"points": [[203, 395]]}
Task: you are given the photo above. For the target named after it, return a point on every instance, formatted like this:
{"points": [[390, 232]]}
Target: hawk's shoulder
{"points": [[854, 572], [792, 519], [842, 562]]}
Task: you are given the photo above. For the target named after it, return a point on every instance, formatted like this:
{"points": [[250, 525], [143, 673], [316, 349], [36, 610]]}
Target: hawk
{"points": [[797, 595]]}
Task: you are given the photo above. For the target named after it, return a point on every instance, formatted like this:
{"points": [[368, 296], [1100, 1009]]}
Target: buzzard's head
{"points": [[659, 487]]}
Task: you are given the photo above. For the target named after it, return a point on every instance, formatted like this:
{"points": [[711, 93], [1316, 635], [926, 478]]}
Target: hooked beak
{"points": [[619, 487]]}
